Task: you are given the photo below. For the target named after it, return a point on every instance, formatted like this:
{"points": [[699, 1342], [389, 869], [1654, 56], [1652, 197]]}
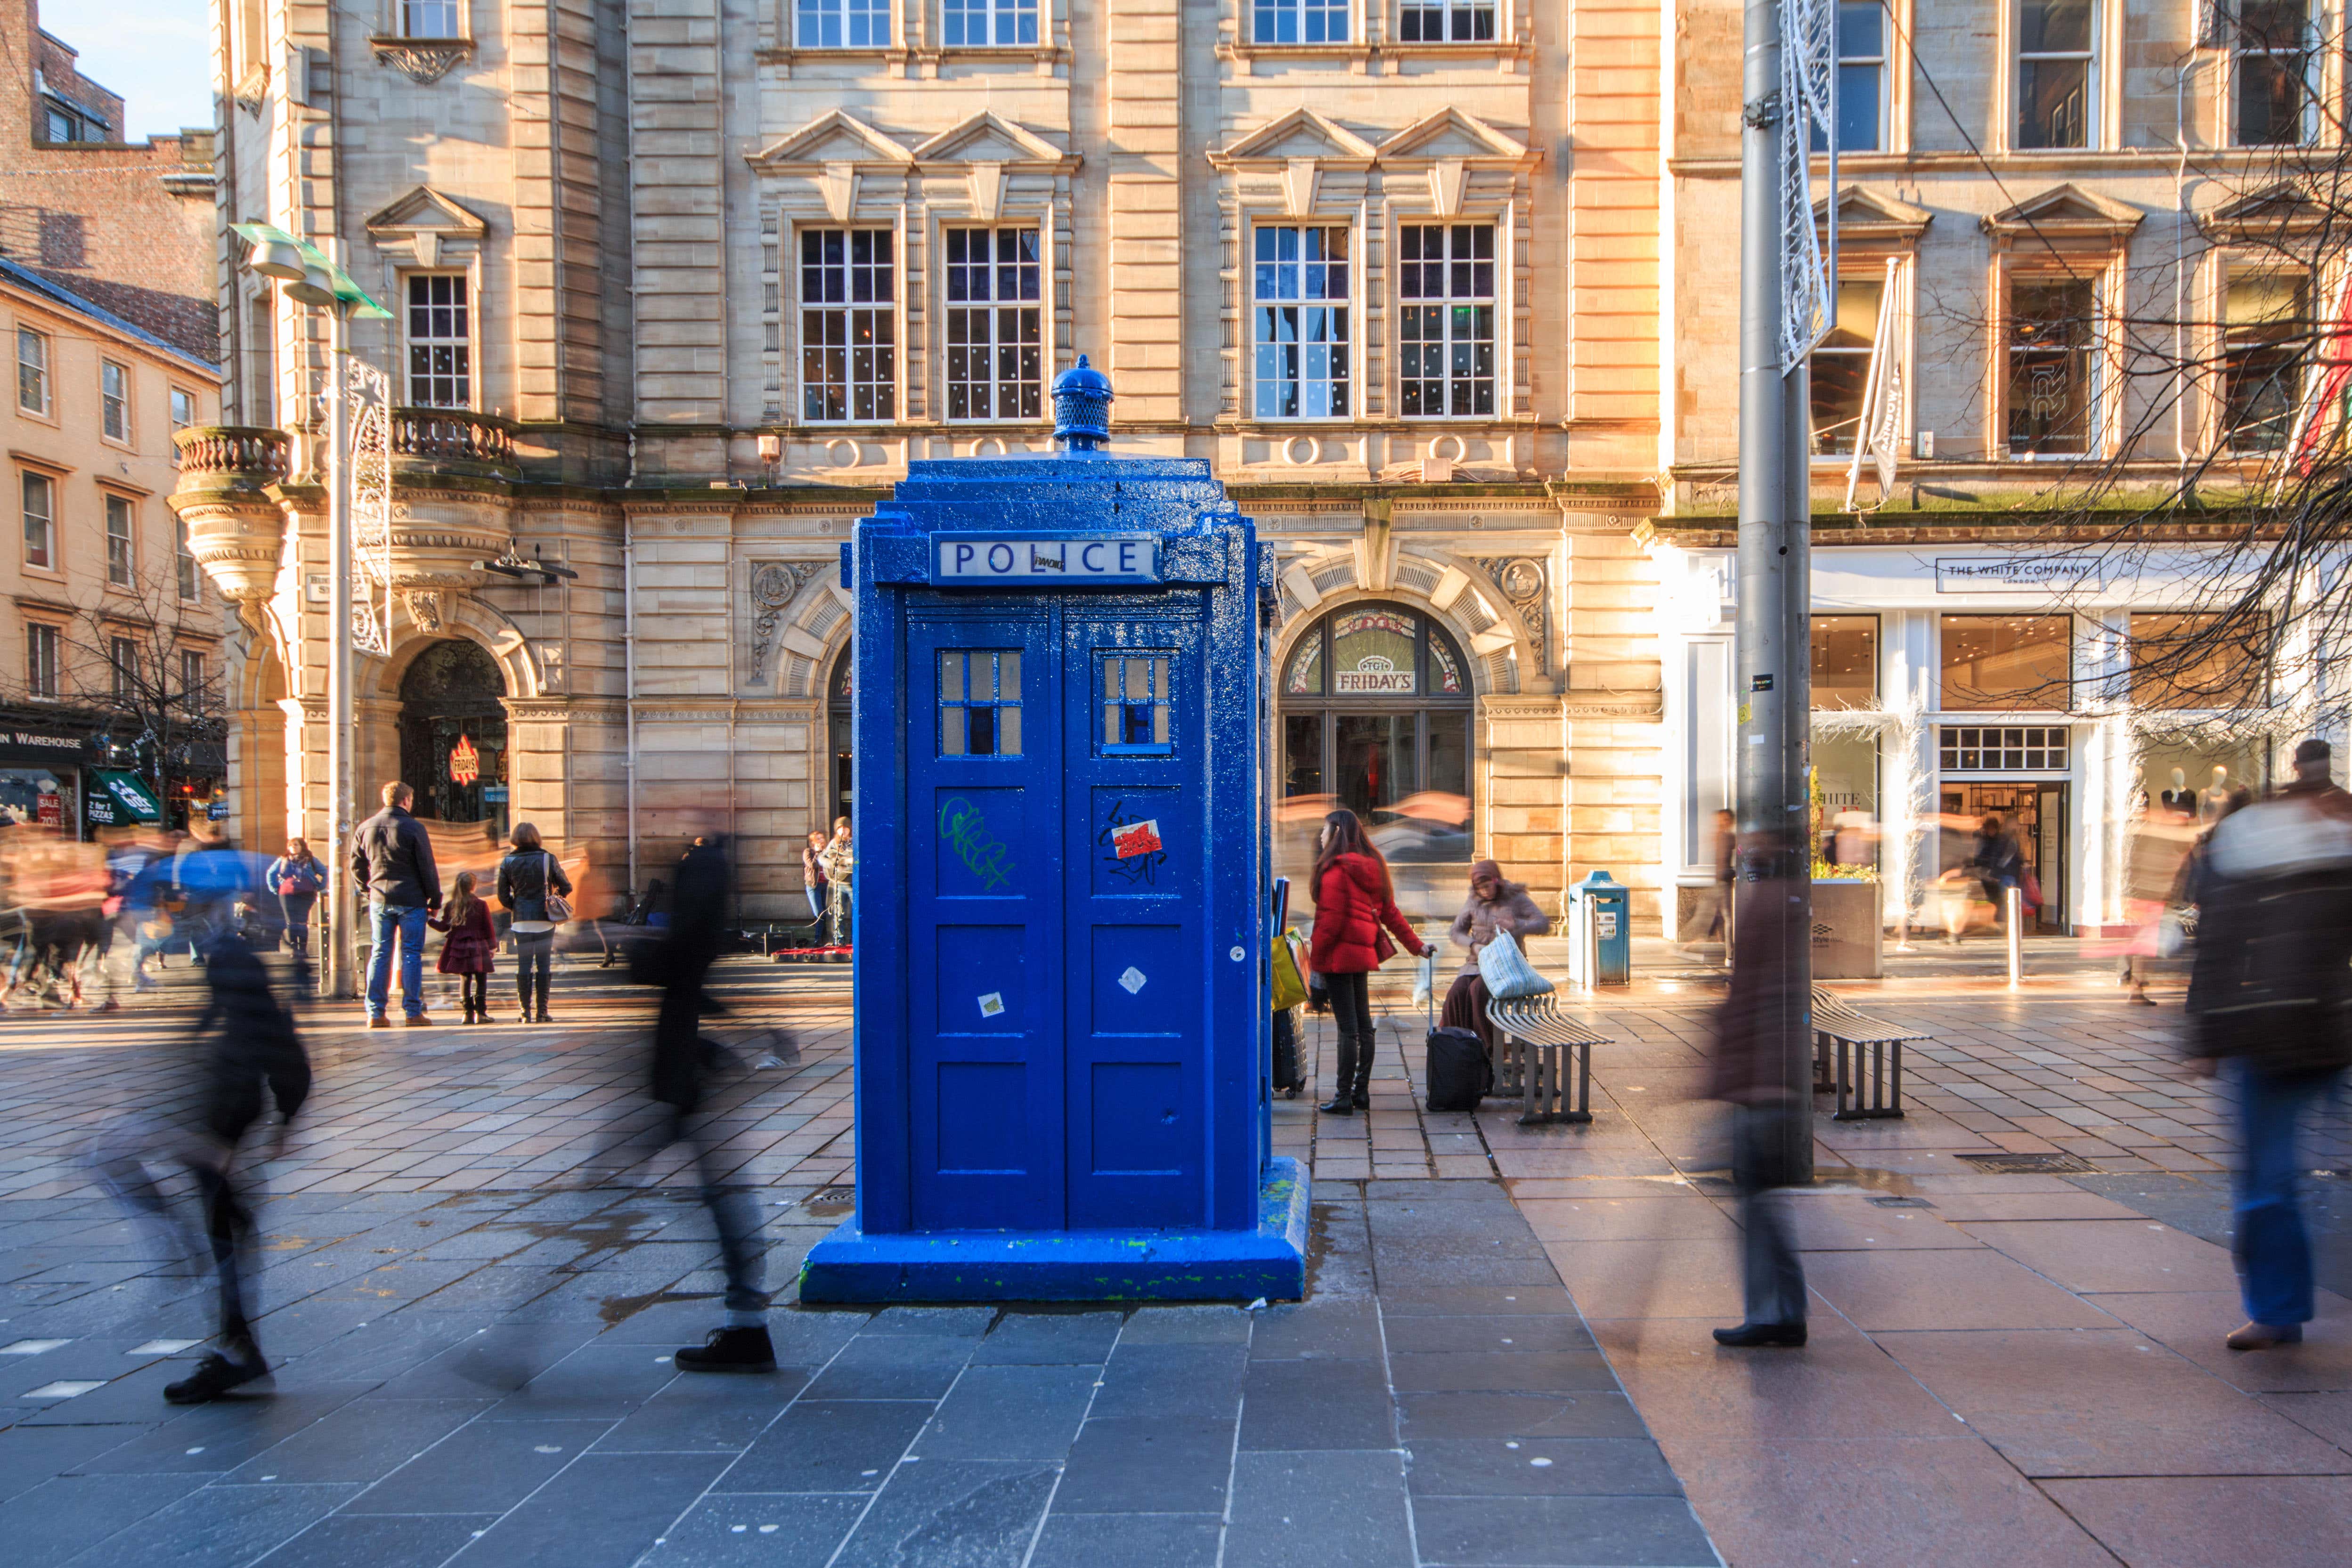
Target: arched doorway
{"points": [[1376, 711], [453, 734], [833, 792]]}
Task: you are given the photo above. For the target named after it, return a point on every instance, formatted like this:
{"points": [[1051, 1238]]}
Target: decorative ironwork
{"points": [[1808, 103], [1526, 584], [774, 585], [370, 391]]}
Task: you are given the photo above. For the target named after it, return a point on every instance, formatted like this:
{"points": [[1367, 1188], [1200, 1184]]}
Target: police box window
{"points": [[980, 702], [1135, 707]]}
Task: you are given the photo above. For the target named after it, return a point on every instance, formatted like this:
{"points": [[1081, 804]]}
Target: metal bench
{"points": [[1537, 1038], [1841, 1037]]}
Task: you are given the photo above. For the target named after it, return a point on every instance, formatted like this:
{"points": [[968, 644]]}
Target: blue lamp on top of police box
{"points": [[1061, 1016]]}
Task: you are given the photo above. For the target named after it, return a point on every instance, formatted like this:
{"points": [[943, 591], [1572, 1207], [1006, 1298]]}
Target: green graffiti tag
{"points": [[982, 851]]}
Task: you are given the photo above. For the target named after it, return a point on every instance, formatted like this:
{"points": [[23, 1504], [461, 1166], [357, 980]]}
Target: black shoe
{"points": [[215, 1375], [1337, 1105], [1748, 1335], [730, 1350]]}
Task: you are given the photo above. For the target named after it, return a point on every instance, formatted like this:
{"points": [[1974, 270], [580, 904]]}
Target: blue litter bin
{"points": [[1600, 939], [1063, 877]]}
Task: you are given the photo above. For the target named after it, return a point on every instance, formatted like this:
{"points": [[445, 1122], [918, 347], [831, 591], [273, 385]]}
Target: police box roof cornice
{"points": [[838, 137]]}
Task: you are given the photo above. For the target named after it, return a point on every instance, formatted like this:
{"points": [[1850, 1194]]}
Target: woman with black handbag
{"points": [[532, 886]]}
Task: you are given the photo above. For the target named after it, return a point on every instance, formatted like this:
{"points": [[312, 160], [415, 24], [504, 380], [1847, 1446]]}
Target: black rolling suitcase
{"points": [[1459, 1073], [1288, 1082]]}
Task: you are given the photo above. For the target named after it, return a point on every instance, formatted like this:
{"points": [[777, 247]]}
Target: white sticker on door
{"points": [[1132, 980], [992, 1004]]}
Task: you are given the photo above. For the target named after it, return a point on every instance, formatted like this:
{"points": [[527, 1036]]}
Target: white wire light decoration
{"points": [[371, 457], [1808, 101]]}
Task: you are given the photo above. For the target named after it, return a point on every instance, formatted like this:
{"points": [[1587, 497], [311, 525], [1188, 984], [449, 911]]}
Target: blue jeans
{"points": [[2271, 1246], [410, 923]]}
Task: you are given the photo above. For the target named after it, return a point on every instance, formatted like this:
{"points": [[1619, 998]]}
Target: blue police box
{"points": [[1061, 923]]}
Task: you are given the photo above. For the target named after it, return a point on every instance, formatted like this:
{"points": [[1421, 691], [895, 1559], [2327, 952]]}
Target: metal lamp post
{"points": [[307, 275]]}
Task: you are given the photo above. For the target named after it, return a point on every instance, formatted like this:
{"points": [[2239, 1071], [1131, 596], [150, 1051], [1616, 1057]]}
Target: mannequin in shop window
{"points": [[2209, 804]]}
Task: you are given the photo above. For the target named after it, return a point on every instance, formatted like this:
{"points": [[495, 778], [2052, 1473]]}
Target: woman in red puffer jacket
{"points": [[1353, 900]]}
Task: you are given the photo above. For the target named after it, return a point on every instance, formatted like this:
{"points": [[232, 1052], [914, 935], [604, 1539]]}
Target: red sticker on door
{"points": [[1134, 839]]}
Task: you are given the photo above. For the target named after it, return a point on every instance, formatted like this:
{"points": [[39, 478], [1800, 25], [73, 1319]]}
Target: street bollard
{"points": [[2016, 902]]}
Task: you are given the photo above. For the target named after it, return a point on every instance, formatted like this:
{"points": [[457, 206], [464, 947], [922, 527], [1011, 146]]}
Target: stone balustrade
{"points": [[254, 453], [450, 436]]}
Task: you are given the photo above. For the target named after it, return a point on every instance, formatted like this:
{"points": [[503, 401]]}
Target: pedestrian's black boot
{"points": [[1338, 1104], [216, 1374], [730, 1350], [1363, 1086], [1748, 1335]]}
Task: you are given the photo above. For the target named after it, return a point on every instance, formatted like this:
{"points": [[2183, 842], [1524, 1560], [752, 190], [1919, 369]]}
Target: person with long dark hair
{"points": [[1354, 900], [528, 876]]}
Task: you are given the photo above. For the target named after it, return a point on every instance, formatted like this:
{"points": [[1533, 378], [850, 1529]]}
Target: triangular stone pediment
{"points": [[834, 137], [1301, 134], [2282, 208], [423, 208], [988, 138], [1860, 206], [2065, 209], [1450, 133]]}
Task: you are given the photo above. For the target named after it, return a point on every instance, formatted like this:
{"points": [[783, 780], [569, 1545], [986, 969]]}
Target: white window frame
{"points": [[1494, 301], [2098, 437], [42, 369], [2247, 269], [113, 507], [123, 664], [406, 13], [1862, 267], [1453, 16], [1877, 63], [2309, 46], [1345, 377], [192, 675], [885, 385], [857, 24], [1266, 18], [190, 575], [1001, 24], [114, 407], [992, 308], [181, 399], [47, 519], [2095, 76], [468, 342], [43, 672]]}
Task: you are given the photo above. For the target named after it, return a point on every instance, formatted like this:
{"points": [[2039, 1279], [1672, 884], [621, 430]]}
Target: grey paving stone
{"points": [[1302, 1404], [1403, 1266], [31, 1455], [219, 1436], [1140, 1464], [1562, 1532], [65, 1515], [1318, 1328], [1510, 1372], [894, 1366], [496, 1362], [132, 1400], [1486, 1413], [757, 1530], [1189, 1324], [969, 1322], [971, 1515], [828, 1446], [220, 1526], [601, 1380], [1172, 1380], [1487, 1331], [364, 1440], [1319, 1510], [380, 1541], [1049, 1339], [1497, 1466], [1010, 1414], [485, 1467], [602, 1512], [696, 1413], [1402, 1301], [1127, 1540]]}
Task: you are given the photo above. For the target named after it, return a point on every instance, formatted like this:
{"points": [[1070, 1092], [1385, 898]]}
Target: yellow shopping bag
{"points": [[1289, 981]]}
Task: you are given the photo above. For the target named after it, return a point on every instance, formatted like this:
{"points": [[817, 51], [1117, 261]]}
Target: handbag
{"points": [[1289, 985], [1509, 976], [559, 908], [2030, 888], [2175, 930]]}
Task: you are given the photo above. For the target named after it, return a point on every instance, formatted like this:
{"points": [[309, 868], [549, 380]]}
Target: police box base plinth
{"points": [[1075, 1265]]}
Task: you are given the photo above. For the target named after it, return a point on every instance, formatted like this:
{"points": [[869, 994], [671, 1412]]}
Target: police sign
{"points": [[1078, 560]]}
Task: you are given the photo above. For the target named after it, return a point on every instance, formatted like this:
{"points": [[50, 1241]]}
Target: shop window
{"points": [[2013, 748], [849, 325], [2053, 392], [32, 371], [1446, 21], [440, 341], [842, 24], [1135, 705], [996, 364], [2264, 325], [2057, 74], [2007, 662], [41, 659], [2189, 661], [1299, 322], [980, 702], [840, 724], [121, 556], [2271, 101], [1845, 660], [1447, 285], [1840, 366], [40, 494], [977, 24], [1299, 21]]}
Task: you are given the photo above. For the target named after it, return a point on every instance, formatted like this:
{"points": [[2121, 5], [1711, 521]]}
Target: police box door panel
{"points": [[984, 1012], [1135, 847]]}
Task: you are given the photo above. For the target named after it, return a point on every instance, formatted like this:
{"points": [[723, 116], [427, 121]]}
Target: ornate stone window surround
{"points": [[2063, 233], [917, 29], [1874, 228], [422, 60], [840, 172], [426, 232], [2278, 230], [1374, 38]]}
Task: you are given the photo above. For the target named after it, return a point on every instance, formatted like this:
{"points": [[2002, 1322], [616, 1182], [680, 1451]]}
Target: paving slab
{"points": [[2235, 1522]]}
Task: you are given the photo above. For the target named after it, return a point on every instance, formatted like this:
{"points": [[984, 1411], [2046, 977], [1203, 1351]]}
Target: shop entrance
{"points": [[453, 735], [2035, 812]]}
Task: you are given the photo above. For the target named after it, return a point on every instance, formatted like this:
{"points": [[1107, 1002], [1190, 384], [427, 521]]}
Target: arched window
{"points": [[1376, 707]]}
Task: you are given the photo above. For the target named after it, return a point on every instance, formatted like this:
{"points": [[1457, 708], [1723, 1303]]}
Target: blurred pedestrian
{"points": [[812, 879], [243, 1043], [683, 1065], [1493, 905], [1715, 899], [1761, 1051], [2154, 857], [527, 878], [471, 949], [1999, 864], [297, 877], [838, 859], [2270, 996], [1354, 900], [392, 867]]}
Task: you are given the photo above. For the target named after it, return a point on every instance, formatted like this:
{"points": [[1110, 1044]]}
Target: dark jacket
{"points": [[392, 861], [249, 1041], [1753, 1034], [308, 875], [678, 963], [1514, 912], [2271, 981], [523, 879], [1351, 905]]}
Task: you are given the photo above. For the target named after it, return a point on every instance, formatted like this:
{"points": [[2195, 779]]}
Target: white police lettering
{"points": [[1041, 562]]}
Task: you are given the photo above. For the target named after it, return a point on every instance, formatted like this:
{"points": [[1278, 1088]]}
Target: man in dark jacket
{"points": [[246, 1043], [2270, 992], [392, 868]]}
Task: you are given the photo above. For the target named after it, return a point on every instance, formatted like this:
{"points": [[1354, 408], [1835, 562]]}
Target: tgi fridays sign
{"points": [[1375, 674]]}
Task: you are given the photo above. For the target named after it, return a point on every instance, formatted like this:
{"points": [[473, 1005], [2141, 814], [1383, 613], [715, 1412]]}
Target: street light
{"points": [[305, 275]]}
